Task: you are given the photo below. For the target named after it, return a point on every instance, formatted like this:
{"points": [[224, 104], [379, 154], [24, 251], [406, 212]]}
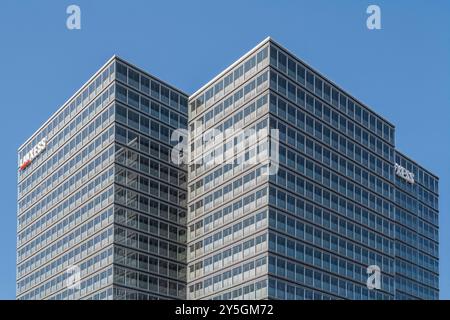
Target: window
{"points": [[261, 55], [121, 94], [250, 64], [133, 119], [154, 129], [273, 56], [133, 78], [155, 89], [165, 115], [155, 110], [145, 84], [309, 81], [291, 68], [164, 94], [343, 103], [144, 125], [228, 81], [145, 105], [334, 97], [238, 73], [121, 114], [282, 85], [218, 88], [121, 72], [281, 61], [318, 87], [173, 99], [174, 119], [133, 99]]}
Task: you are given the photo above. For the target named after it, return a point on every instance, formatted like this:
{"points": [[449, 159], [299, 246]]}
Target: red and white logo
{"points": [[32, 154]]}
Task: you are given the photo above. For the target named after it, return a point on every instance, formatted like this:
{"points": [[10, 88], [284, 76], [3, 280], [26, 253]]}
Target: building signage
{"points": [[403, 173], [32, 154]]}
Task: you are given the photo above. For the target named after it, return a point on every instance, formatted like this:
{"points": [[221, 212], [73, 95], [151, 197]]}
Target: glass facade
{"points": [[416, 233], [102, 196], [335, 206], [228, 201], [97, 190]]}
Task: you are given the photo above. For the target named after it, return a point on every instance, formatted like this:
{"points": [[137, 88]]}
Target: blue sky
{"points": [[401, 71]]}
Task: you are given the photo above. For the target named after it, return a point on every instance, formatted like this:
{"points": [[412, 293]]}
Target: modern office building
{"points": [[101, 209], [294, 190], [343, 198]]}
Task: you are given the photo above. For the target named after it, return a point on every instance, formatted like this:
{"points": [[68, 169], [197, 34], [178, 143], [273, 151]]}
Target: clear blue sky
{"points": [[402, 71]]}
